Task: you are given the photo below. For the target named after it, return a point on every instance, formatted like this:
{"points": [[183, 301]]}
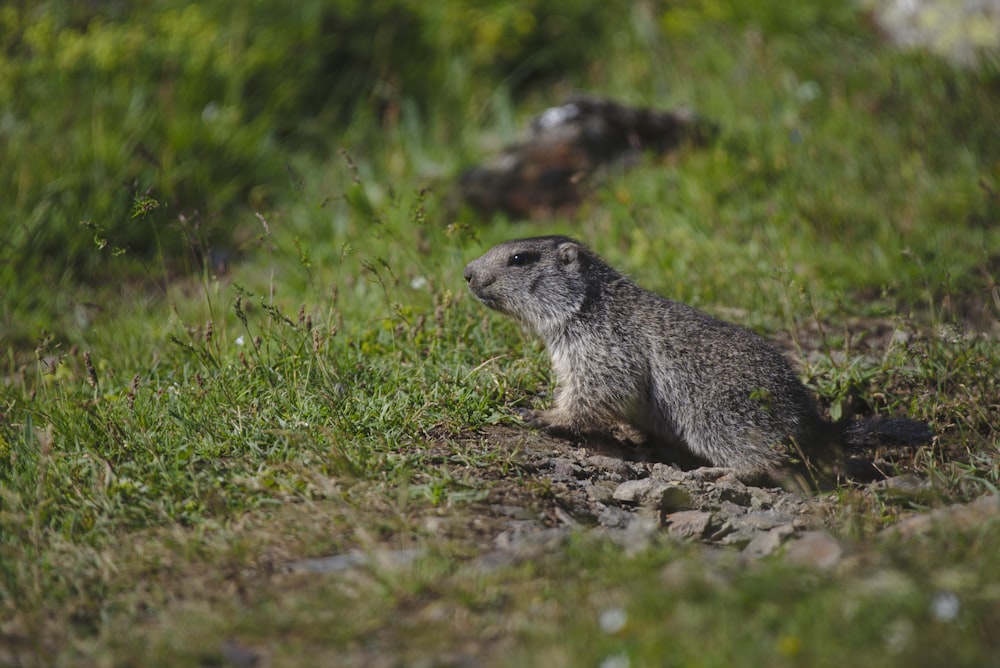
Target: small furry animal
{"points": [[623, 355]]}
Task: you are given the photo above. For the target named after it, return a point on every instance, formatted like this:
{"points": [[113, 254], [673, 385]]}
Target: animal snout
{"points": [[468, 274]]}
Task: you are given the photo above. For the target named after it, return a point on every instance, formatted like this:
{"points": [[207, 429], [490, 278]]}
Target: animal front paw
{"points": [[547, 421], [532, 418]]}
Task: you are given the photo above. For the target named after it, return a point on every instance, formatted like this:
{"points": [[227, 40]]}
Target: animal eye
{"points": [[521, 259]]}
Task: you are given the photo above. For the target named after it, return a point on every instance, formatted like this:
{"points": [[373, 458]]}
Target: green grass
{"points": [[170, 438]]}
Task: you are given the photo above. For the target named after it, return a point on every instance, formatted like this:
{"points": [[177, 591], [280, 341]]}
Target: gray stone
{"points": [[732, 533], [601, 491], [766, 519], [521, 542], [960, 516], [816, 549], [353, 559], [608, 464], [614, 517], [652, 493], [667, 472], [762, 498], [765, 543], [644, 492], [730, 509], [689, 523], [711, 474], [564, 468], [732, 491]]}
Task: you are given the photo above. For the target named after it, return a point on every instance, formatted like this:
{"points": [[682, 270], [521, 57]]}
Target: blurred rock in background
{"points": [[959, 30], [551, 169]]}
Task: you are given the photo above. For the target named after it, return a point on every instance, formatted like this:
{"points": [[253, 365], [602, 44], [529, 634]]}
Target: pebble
{"points": [[766, 543], [564, 468], [608, 464], [959, 516], [653, 493], [353, 559], [816, 549], [688, 523]]}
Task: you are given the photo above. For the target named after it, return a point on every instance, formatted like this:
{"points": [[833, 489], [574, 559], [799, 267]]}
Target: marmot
{"points": [[623, 355]]}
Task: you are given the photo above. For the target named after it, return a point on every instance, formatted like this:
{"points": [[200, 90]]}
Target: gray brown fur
{"points": [[622, 354]]}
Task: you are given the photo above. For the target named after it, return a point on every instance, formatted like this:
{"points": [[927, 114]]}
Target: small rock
{"points": [[732, 533], [815, 548], [666, 472], [765, 543], [564, 517], [354, 559], [959, 516], [608, 464], [601, 492], [520, 543], [688, 523], [652, 493], [331, 564], [563, 468], [711, 474], [766, 519], [761, 498], [614, 517], [646, 491], [732, 491], [730, 509], [636, 535]]}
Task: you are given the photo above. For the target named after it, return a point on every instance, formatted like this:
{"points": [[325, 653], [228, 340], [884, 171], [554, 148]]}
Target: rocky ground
{"points": [[552, 488]]}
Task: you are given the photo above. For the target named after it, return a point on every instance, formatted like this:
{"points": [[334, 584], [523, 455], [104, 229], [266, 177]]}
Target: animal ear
{"points": [[567, 252]]}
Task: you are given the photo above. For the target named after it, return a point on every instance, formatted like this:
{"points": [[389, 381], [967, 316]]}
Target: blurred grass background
{"points": [[156, 130]]}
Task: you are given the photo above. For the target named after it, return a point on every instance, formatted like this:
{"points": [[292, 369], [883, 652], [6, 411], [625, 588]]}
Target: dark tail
{"points": [[873, 431]]}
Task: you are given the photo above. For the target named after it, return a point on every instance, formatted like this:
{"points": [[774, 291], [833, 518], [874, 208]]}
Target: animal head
{"points": [[540, 282]]}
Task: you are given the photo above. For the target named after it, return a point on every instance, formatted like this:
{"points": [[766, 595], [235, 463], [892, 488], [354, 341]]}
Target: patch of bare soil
{"points": [[627, 493], [546, 489], [550, 488]]}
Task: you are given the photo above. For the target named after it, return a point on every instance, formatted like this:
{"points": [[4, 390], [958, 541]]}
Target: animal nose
{"points": [[468, 274]]}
